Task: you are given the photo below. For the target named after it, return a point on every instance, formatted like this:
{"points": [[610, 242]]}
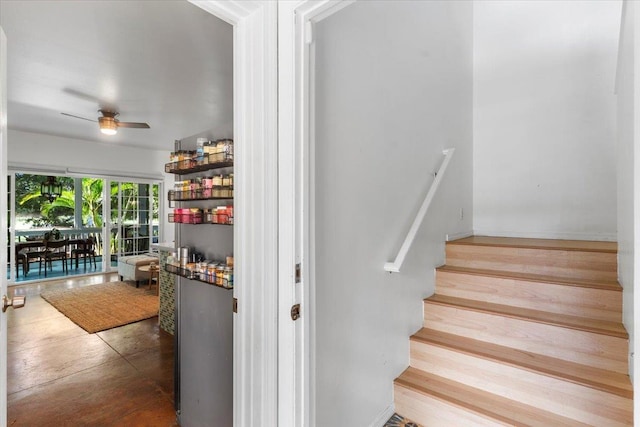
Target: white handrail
{"points": [[394, 267]]}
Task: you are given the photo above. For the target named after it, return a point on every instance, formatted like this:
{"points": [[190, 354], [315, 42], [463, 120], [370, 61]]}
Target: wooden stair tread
{"points": [[611, 285], [599, 379], [483, 403], [596, 326], [514, 242]]}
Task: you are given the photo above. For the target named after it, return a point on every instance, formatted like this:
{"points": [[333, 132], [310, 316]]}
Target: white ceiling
{"points": [[167, 63]]}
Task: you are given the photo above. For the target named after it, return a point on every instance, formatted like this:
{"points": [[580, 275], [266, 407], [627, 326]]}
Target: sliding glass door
{"points": [[126, 224], [134, 217]]}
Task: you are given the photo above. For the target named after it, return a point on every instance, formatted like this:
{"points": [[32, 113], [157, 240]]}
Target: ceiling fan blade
{"points": [[133, 125], [78, 117]]}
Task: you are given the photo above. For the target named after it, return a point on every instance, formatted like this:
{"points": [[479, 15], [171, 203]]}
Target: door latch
{"points": [[295, 312], [15, 302]]}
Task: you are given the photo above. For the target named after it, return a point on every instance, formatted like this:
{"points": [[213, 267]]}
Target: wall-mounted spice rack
{"points": [[222, 215], [212, 157], [217, 193], [193, 274]]}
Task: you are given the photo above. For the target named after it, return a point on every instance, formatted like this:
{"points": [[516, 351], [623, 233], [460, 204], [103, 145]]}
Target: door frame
{"points": [[296, 191], [255, 113], [266, 389], [3, 223], [255, 237]]}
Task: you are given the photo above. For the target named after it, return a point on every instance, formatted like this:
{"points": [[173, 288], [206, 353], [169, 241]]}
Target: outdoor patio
{"points": [[57, 272]]}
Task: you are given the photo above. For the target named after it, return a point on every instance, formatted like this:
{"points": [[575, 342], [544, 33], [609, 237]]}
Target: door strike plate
{"points": [[235, 305], [295, 312]]}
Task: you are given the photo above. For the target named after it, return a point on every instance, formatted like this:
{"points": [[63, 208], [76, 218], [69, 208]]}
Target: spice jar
{"points": [[220, 151], [229, 150], [211, 272], [228, 277], [220, 275], [195, 216], [207, 183]]}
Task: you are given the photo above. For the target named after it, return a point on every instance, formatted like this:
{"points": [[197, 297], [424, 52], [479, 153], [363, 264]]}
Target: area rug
{"points": [[108, 305]]}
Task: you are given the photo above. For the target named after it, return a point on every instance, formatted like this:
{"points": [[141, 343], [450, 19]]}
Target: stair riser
{"points": [[567, 264], [560, 397], [601, 351], [431, 412], [561, 299]]}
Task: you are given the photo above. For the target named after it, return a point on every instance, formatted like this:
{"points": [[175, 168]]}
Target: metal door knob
{"points": [[15, 302]]}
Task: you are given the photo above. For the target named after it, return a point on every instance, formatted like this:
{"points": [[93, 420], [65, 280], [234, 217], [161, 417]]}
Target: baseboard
{"points": [[459, 235], [383, 417], [601, 237]]}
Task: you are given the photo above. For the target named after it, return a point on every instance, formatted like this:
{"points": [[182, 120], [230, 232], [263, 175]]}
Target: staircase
{"points": [[521, 332]]}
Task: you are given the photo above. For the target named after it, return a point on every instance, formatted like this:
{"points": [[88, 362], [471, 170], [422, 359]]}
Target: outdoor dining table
{"points": [[35, 249]]}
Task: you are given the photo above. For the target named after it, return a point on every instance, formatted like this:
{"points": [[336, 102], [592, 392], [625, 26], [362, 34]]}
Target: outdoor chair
{"points": [[21, 259], [86, 249], [54, 250]]}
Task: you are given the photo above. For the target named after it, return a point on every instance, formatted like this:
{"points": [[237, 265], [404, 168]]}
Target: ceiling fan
{"points": [[109, 124]]}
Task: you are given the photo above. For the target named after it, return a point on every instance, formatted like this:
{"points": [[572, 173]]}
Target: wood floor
{"points": [[60, 375]]}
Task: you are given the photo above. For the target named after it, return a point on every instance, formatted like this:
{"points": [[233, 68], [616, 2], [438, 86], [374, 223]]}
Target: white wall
{"points": [[628, 91], [544, 118], [39, 150], [393, 90]]}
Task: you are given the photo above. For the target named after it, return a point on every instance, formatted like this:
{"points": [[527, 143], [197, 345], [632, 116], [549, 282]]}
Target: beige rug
{"points": [[105, 306]]}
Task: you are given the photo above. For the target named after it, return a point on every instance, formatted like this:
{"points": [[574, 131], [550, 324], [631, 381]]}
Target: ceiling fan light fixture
{"points": [[108, 125]]}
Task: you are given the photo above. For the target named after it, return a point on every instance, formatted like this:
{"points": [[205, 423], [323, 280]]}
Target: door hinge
{"points": [[298, 273], [295, 312], [235, 305]]}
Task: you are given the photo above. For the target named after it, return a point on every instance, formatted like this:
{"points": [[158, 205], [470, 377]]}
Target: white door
{"points": [[3, 223]]}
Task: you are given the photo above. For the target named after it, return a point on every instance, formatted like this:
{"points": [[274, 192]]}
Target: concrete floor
{"points": [[60, 375]]}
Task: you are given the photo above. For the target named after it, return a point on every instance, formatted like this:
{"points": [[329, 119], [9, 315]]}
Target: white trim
{"points": [[232, 11], [255, 331], [104, 173], [3, 223], [601, 237], [255, 233], [82, 173], [316, 11], [296, 205], [291, 393], [36, 167], [394, 267], [383, 417], [635, 12], [459, 235]]}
